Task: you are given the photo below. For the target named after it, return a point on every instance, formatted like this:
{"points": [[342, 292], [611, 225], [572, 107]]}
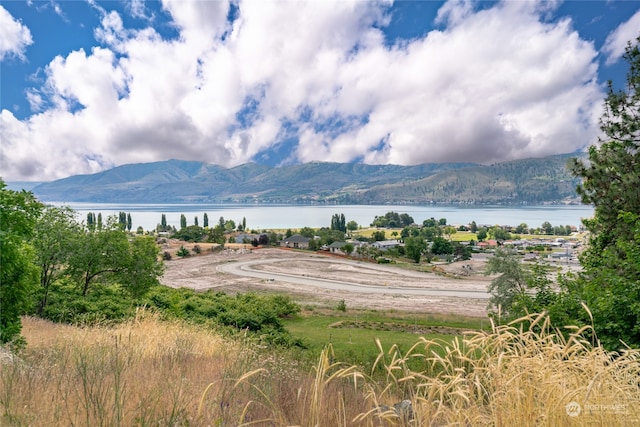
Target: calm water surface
{"points": [[297, 216]]}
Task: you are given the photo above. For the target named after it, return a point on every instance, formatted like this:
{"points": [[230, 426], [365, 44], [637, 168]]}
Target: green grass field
{"points": [[353, 333]]}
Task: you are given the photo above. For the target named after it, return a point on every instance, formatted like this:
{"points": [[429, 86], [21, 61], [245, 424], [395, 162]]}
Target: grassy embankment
{"points": [[353, 333], [158, 373]]}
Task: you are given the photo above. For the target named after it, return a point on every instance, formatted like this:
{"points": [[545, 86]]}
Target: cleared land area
{"points": [[317, 279]]}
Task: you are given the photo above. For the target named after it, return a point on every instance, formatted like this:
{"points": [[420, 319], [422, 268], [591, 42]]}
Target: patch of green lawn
{"points": [[353, 334]]}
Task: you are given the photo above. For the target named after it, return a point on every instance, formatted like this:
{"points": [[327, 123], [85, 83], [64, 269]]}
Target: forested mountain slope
{"points": [[543, 180]]}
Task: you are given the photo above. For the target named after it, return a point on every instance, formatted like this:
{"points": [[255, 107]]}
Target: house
{"points": [[487, 244], [246, 238], [383, 245], [338, 247], [296, 241]]}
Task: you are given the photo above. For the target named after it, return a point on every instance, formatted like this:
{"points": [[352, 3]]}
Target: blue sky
{"points": [[88, 85]]}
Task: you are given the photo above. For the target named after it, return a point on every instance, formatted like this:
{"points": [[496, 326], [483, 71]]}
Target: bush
{"points": [[259, 314], [166, 256], [105, 303], [182, 252], [342, 306]]}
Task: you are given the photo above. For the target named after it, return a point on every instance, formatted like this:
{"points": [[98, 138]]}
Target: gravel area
{"points": [[201, 273]]}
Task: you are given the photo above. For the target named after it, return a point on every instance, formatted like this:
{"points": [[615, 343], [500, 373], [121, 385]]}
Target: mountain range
{"points": [[532, 181]]}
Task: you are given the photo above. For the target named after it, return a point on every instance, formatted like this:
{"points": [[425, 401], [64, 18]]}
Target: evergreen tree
{"points": [[129, 222], [205, 220], [163, 222], [610, 281], [195, 221], [183, 221], [338, 222]]}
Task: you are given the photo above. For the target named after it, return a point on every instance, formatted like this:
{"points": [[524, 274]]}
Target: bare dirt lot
{"points": [[205, 272]]}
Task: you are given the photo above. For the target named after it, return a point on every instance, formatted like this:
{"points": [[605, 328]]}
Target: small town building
{"points": [[296, 241], [383, 245]]}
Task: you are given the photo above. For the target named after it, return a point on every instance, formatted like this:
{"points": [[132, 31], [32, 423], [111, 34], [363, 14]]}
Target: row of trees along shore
{"points": [[44, 246]]}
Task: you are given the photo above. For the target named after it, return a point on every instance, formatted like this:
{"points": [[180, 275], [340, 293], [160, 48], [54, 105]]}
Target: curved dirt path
{"points": [[320, 280], [246, 269]]}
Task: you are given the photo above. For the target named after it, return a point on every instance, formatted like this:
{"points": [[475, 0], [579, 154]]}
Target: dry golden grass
{"points": [[512, 378], [145, 372], [152, 372]]}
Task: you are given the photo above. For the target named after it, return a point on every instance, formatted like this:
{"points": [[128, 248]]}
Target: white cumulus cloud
{"points": [[316, 78], [617, 40], [14, 36]]}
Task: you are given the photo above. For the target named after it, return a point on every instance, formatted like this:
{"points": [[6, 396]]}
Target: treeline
{"points": [[124, 221], [58, 268]]}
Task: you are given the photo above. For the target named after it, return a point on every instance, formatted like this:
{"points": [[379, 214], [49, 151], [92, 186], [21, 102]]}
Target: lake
{"points": [[297, 216]]}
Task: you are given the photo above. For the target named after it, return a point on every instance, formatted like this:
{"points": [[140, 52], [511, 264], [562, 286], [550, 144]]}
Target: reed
{"points": [[510, 377], [150, 372]]}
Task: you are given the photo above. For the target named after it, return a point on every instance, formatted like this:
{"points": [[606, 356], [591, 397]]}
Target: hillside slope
{"points": [[544, 180]]}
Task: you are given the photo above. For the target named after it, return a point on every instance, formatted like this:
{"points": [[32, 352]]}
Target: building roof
{"points": [[337, 245], [296, 238]]}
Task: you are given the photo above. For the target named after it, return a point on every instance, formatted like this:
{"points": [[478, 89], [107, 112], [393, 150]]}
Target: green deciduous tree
{"points": [[108, 255], [378, 236], [348, 248], [441, 246], [216, 235], [510, 287], [519, 289], [96, 254], [18, 274], [392, 220], [53, 239], [191, 233], [141, 266], [414, 247]]}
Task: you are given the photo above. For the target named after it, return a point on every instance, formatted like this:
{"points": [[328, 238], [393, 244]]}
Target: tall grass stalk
{"points": [[510, 377], [156, 373]]}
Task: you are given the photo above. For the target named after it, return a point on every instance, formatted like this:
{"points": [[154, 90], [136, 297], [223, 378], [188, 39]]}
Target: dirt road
{"points": [[324, 280]]}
